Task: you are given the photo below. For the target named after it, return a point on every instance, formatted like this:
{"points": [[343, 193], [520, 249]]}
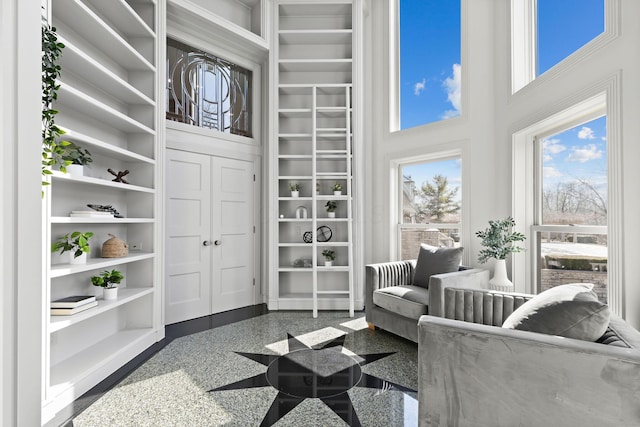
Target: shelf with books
{"points": [[125, 295]]}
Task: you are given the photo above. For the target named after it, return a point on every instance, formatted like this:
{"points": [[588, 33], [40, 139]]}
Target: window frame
{"points": [[393, 111], [438, 153], [524, 44], [602, 98]]}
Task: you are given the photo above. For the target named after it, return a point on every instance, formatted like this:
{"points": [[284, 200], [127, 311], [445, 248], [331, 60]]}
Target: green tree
{"points": [[438, 199]]}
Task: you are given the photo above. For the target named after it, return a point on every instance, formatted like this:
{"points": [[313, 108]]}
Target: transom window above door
{"points": [[207, 91]]}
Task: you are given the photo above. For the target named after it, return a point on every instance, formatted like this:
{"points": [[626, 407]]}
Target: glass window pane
{"points": [[574, 175], [430, 69], [565, 26], [432, 192], [207, 91], [573, 258], [411, 239]]}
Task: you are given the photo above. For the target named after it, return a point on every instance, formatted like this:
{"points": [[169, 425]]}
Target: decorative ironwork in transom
{"points": [[207, 91]]}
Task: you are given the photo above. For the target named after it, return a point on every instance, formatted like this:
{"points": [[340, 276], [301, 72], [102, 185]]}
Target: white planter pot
{"points": [[328, 263], [75, 170], [110, 293], [82, 259], [337, 193], [500, 281], [331, 214], [295, 194]]}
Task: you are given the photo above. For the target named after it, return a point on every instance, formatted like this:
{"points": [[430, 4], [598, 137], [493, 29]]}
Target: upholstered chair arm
{"points": [[474, 278], [385, 274]]}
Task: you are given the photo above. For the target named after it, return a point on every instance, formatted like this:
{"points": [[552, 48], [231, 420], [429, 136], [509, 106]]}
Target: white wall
{"points": [[21, 290], [490, 116]]}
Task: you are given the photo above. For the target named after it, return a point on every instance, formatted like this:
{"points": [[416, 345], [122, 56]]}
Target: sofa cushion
{"points": [[433, 260], [408, 301], [571, 311]]}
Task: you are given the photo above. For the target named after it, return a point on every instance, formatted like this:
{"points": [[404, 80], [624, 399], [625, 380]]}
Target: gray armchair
{"points": [[472, 372], [397, 310]]}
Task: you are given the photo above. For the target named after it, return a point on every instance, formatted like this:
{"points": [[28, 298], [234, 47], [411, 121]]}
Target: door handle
{"points": [[206, 243], [217, 243]]}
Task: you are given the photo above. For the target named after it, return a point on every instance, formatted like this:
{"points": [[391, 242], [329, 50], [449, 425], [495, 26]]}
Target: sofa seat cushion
{"points": [[408, 301], [433, 260], [571, 311]]}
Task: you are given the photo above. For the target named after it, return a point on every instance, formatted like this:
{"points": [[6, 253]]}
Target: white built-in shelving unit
{"points": [[108, 102], [312, 74]]}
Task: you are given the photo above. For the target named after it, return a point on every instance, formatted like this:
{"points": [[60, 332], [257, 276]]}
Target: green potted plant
{"points": [[499, 241], [77, 243], [329, 257], [295, 189], [77, 158], [108, 280], [331, 206], [337, 189]]}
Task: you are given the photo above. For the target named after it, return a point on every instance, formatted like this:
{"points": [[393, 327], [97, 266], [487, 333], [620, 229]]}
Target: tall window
{"points": [[430, 196], [430, 71], [564, 27], [207, 91], [546, 32], [571, 230]]}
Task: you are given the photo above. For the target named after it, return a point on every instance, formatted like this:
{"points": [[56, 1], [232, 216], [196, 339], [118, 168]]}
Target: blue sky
{"points": [[430, 59], [430, 84], [580, 152]]}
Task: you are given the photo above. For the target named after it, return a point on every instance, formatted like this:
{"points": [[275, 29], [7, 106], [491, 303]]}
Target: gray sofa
{"points": [[474, 373], [397, 310]]}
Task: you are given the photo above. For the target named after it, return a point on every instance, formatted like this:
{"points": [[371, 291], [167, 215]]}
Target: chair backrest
{"points": [[481, 306]]}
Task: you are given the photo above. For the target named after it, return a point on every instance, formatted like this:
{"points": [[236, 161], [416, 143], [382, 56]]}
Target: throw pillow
{"points": [[571, 311], [433, 260]]}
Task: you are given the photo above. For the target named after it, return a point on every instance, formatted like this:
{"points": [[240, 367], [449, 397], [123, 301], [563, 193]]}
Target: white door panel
{"points": [[233, 273], [208, 199], [187, 260]]}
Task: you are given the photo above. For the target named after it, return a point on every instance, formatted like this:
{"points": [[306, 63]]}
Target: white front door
{"points": [[233, 225], [188, 226], [209, 254]]}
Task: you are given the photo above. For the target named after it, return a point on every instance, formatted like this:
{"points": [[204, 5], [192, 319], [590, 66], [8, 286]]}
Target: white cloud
{"points": [[453, 87], [586, 133], [419, 87], [551, 147], [551, 172], [584, 154]]}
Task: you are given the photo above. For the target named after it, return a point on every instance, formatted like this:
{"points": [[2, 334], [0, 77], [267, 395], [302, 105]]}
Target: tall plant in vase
{"points": [[499, 241]]}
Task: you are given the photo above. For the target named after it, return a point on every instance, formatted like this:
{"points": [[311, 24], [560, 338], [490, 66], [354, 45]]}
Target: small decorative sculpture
{"points": [[119, 176], [301, 212], [106, 208]]}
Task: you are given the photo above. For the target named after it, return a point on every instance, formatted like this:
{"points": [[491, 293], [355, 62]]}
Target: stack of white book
{"points": [[72, 305], [90, 214]]}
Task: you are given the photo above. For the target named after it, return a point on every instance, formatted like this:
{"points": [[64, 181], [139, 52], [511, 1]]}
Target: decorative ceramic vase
{"points": [[295, 194], [82, 259], [328, 263], [110, 293], [500, 281], [331, 214], [75, 170]]}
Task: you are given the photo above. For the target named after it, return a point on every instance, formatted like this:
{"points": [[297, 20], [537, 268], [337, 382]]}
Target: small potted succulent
{"points": [[76, 158], [331, 206], [295, 189], [108, 280], [337, 189], [329, 257], [77, 243]]}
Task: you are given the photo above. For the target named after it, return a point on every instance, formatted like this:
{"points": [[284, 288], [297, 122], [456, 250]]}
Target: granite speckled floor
{"points": [[173, 388]]}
